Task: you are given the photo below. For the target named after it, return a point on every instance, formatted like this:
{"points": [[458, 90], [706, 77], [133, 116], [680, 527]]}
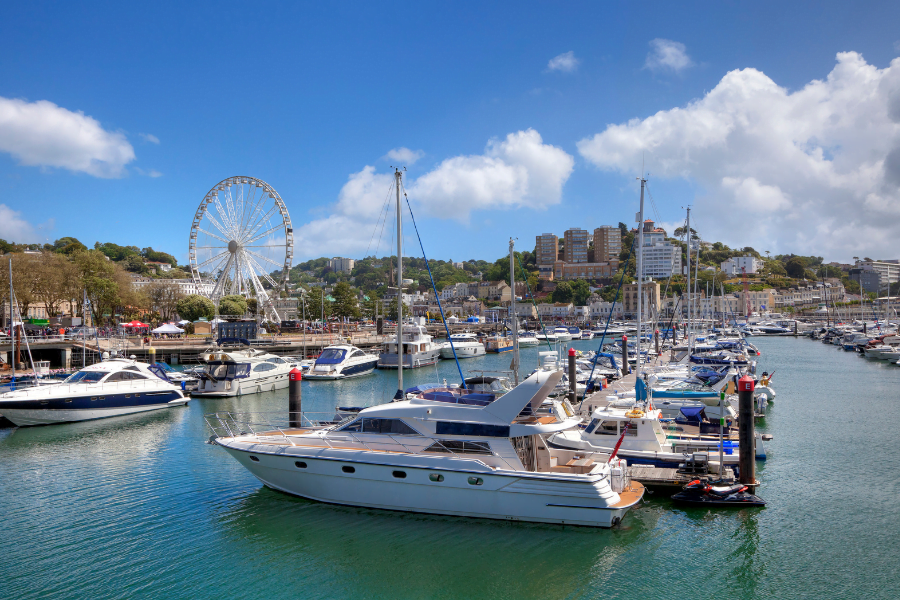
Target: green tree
{"points": [[68, 246], [581, 291], [314, 305], [253, 306], [234, 305], [195, 307], [796, 267], [563, 292], [345, 301]]}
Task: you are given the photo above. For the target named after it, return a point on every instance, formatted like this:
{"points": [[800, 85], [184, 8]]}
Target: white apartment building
{"points": [[739, 264], [342, 265], [186, 286], [660, 258], [601, 310], [888, 270], [456, 290]]}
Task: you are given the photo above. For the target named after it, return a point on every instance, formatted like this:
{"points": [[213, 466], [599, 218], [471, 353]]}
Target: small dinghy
{"points": [[702, 493]]}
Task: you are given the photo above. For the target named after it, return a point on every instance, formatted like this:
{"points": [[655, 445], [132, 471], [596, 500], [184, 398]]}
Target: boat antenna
{"points": [[513, 320]]}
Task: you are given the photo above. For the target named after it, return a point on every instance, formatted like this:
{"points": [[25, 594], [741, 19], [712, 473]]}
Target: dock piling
{"points": [[294, 398], [746, 439]]}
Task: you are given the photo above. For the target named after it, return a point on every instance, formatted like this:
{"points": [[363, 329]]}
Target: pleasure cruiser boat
{"points": [[574, 332], [587, 334], [340, 362], [114, 387], [466, 345], [436, 457], [234, 372], [419, 350], [644, 442], [547, 335], [562, 334], [498, 344], [527, 338]]}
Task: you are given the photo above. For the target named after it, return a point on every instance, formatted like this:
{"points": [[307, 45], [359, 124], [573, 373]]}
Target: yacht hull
{"points": [[24, 417], [462, 352], [359, 370], [410, 361], [511, 497], [267, 384]]}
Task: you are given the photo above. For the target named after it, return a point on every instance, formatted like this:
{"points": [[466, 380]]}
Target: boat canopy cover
{"points": [[640, 390], [331, 356], [692, 412]]}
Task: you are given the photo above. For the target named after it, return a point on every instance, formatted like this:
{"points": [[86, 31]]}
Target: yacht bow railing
{"points": [[263, 425]]}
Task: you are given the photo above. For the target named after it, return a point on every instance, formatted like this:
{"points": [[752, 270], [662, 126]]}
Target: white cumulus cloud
{"points": [[404, 156], [46, 135], [518, 171], [149, 137], [15, 228], [565, 62], [667, 55], [811, 171]]}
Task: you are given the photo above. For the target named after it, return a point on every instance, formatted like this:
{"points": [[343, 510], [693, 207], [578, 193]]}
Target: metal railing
{"points": [[258, 425]]}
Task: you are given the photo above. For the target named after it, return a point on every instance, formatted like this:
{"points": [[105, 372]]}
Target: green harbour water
{"points": [[141, 507]]}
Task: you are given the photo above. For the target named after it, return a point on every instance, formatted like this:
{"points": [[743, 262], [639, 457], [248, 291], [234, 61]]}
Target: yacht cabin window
{"points": [[276, 361], [382, 426], [607, 428], [266, 366], [460, 447], [86, 377]]}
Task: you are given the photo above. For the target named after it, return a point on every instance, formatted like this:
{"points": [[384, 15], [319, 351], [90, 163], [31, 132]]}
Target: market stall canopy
{"points": [[168, 328], [134, 324]]}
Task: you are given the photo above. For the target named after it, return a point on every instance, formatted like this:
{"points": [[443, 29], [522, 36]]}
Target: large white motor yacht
{"points": [[234, 372], [419, 350], [465, 344], [485, 460], [110, 388], [340, 362]]}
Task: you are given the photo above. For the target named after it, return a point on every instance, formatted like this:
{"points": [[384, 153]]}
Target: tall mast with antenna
{"points": [[399, 395], [688, 282], [513, 317], [640, 274]]}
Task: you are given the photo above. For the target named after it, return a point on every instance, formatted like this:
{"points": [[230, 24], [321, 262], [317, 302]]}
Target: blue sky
{"points": [[718, 99]]}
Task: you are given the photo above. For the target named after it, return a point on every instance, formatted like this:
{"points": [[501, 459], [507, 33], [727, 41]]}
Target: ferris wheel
{"points": [[241, 233]]}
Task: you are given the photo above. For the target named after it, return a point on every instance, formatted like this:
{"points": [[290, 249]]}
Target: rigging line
{"points": [[383, 210], [533, 303], [605, 329], [652, 202], [433, 287]]}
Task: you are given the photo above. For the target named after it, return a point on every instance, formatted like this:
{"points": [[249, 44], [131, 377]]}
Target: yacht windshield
{"points": [[331, 356], [85, 377]]}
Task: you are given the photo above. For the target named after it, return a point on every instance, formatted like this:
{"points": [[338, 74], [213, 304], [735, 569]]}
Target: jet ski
{"points": [[701, 493]]}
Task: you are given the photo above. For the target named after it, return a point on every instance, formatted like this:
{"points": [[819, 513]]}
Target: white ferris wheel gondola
{"points": [[241, 233]]}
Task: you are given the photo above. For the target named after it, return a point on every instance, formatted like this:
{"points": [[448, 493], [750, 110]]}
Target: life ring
{"points": [[634, 413]]}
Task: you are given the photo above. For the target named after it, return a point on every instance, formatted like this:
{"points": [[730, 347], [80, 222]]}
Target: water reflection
{"points": [[376, 553]]}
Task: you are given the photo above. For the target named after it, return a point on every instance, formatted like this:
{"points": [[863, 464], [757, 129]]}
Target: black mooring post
{"points": [[747, 441], [294, 398]]}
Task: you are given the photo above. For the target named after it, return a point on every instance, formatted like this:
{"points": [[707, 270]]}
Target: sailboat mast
{"points": [[12, 332], [640, 275], [513, 317], [399, 396], [688, 282]]}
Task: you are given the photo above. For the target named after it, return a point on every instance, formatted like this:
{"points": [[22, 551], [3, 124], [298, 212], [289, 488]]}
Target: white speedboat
{"points": [[562, 334], [644, 442], [340, 362], [466, 345], [547, 336], [587, 334], [527, 338], [234, 372], [110, 388], [419, 350], [436, 457]]}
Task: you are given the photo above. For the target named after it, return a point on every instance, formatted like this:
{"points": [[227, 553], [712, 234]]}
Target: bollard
{"points": [[572, 375], [152, 352], [379, 325], [747, 441], [294, 398], [864, 328], [626, 369]]}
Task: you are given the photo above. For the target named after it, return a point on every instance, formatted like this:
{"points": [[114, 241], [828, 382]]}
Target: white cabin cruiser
{"points": [[643, 443], [563, 335], [466, 345], [110, 388], [234, 372], [447, 458], [419, 350], [340, 362], [527, 338]]}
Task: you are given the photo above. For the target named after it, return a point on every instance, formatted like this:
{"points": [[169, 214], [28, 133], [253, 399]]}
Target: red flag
{"points": [[619, 443]]}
